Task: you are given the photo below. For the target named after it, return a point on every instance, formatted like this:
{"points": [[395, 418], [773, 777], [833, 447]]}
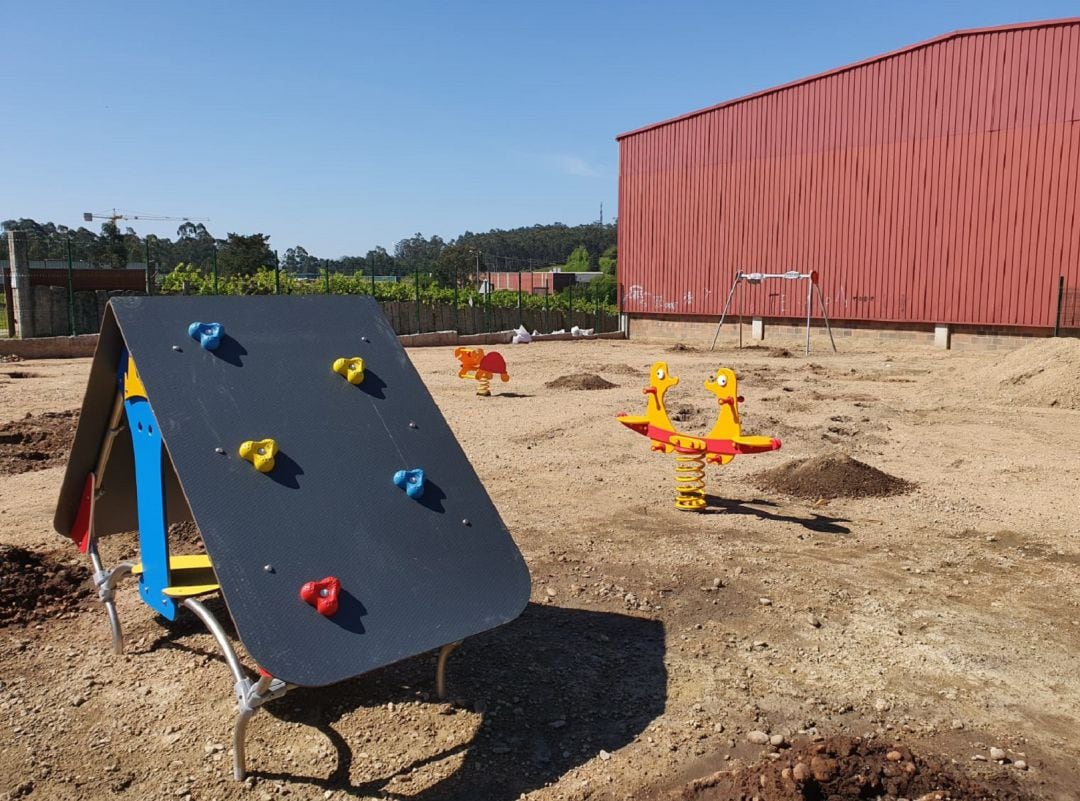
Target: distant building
{"points": [[535, 283], [936, 185]]}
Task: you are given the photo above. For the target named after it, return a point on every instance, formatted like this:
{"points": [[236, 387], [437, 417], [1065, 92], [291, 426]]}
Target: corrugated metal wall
{"points": [[934, 184]]}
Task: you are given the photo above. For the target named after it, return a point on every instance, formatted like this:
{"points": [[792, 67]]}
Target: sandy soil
{"points": [[660, 645]]}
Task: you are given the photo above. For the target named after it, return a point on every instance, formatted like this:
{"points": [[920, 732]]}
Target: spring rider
{"points": [[483, 367], [722, 444]]}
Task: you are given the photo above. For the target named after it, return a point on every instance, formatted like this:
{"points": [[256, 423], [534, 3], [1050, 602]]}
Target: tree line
{"points": [[458, 262]]}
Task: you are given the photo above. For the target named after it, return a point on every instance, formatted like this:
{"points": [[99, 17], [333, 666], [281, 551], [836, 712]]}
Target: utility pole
{"points": [[601, 214]]}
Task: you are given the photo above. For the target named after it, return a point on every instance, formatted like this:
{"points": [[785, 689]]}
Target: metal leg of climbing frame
{"points": [[250, 695], [106, 581], [440, 668]]}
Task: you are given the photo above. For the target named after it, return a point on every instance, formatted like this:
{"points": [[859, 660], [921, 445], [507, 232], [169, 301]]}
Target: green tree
{"points": [[578, 262], [244, 255], [609, 261], [603, 288], [454, 266], [380, 262], [194, 246], [115, 250], [417, 253]]}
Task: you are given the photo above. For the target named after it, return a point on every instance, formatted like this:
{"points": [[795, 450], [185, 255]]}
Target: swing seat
{"points": [[190, 575]]}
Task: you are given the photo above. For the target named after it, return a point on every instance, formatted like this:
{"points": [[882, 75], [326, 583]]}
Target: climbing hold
{"points": [[208, 334], [352, 369], [260, 452], [323, 595], [412, 481]]}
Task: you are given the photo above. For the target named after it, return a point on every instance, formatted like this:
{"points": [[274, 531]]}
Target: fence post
{"points": [[1061, 298], [373, 278], [456, 324], [71, 290], [519, 295], [277, 274], [149, 276], [215, 269], [416, 281], [328, 276], [570, 307]]}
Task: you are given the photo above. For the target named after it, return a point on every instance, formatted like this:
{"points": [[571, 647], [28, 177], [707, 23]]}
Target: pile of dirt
{"points": [[1043, 373], [580, 381], [850, 769], [622, 369], [780, 353], [679, 347], [831, 475], [185, 538], [37, 441], [35, 587]]}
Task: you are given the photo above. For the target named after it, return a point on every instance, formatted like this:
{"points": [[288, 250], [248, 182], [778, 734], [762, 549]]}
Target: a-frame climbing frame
{"points": [[284, 427]]}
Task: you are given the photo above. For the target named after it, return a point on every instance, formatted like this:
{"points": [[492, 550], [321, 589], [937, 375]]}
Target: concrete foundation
{"points": [[50, 347], [699, 331], [60, 347]]}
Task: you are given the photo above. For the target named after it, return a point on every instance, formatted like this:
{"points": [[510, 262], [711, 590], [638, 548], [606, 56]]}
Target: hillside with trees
{"points": [[446, 263]]}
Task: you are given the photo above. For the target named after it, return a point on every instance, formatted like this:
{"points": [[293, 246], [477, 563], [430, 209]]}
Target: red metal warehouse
{"points": [[933, 185]]}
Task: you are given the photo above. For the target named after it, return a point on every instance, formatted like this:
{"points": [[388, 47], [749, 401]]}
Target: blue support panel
{"points": [[150, 499]]}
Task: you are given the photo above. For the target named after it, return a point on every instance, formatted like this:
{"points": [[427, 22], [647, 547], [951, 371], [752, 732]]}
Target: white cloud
{"points": [[574, 165]]}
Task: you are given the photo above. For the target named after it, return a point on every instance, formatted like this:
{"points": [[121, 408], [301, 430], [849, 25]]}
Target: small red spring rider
{"points": [[481, 366]]}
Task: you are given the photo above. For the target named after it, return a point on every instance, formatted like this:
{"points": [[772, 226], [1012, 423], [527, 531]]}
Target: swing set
{"points": [[754, 279]]}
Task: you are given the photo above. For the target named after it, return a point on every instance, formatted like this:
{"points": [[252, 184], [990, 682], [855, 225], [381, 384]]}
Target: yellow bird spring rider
{"points": [[722, 444]]}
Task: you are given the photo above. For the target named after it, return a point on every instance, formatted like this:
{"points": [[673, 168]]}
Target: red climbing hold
{"points": [[323, 595]]}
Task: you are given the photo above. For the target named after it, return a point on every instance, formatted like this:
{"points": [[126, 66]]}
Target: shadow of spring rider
{"points": [[344, 527]]}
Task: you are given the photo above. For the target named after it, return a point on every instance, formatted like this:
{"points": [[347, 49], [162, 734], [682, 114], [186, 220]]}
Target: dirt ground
{"points": [[773, 647]]}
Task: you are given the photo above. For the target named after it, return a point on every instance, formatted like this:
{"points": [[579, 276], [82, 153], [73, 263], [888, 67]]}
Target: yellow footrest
{"points": [[192, 574]]}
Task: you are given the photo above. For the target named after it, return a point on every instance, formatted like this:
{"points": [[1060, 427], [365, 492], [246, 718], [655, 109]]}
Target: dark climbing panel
{"points": [[414, 570]]}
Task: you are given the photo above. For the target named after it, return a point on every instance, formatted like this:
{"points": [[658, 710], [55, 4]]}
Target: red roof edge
{"points": [[1015, 26]]}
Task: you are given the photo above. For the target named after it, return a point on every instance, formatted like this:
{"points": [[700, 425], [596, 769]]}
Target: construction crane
{"points": [[118, 215]]}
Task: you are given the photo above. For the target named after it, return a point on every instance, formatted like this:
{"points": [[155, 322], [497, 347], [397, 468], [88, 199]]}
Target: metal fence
{"points": [[69, 296]]}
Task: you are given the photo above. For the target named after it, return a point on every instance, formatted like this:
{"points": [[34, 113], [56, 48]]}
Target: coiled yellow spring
{"points": [[689, 480], [485, 385]]}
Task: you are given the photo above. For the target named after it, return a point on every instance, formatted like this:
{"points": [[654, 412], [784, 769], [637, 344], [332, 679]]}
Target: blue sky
{"points": [[344, 125]]}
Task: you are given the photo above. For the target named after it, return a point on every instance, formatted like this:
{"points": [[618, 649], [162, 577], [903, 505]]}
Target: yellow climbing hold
{"points": [[352, 369], [260, 452]]}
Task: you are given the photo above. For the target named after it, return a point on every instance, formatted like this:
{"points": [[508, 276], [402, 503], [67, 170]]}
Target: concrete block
{"points": [[757, 329], [40, 311], [942, 337]]}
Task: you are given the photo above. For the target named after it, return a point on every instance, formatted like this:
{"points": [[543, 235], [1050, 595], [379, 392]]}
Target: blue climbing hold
{"points": [[412, 481], [208, 334]]}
